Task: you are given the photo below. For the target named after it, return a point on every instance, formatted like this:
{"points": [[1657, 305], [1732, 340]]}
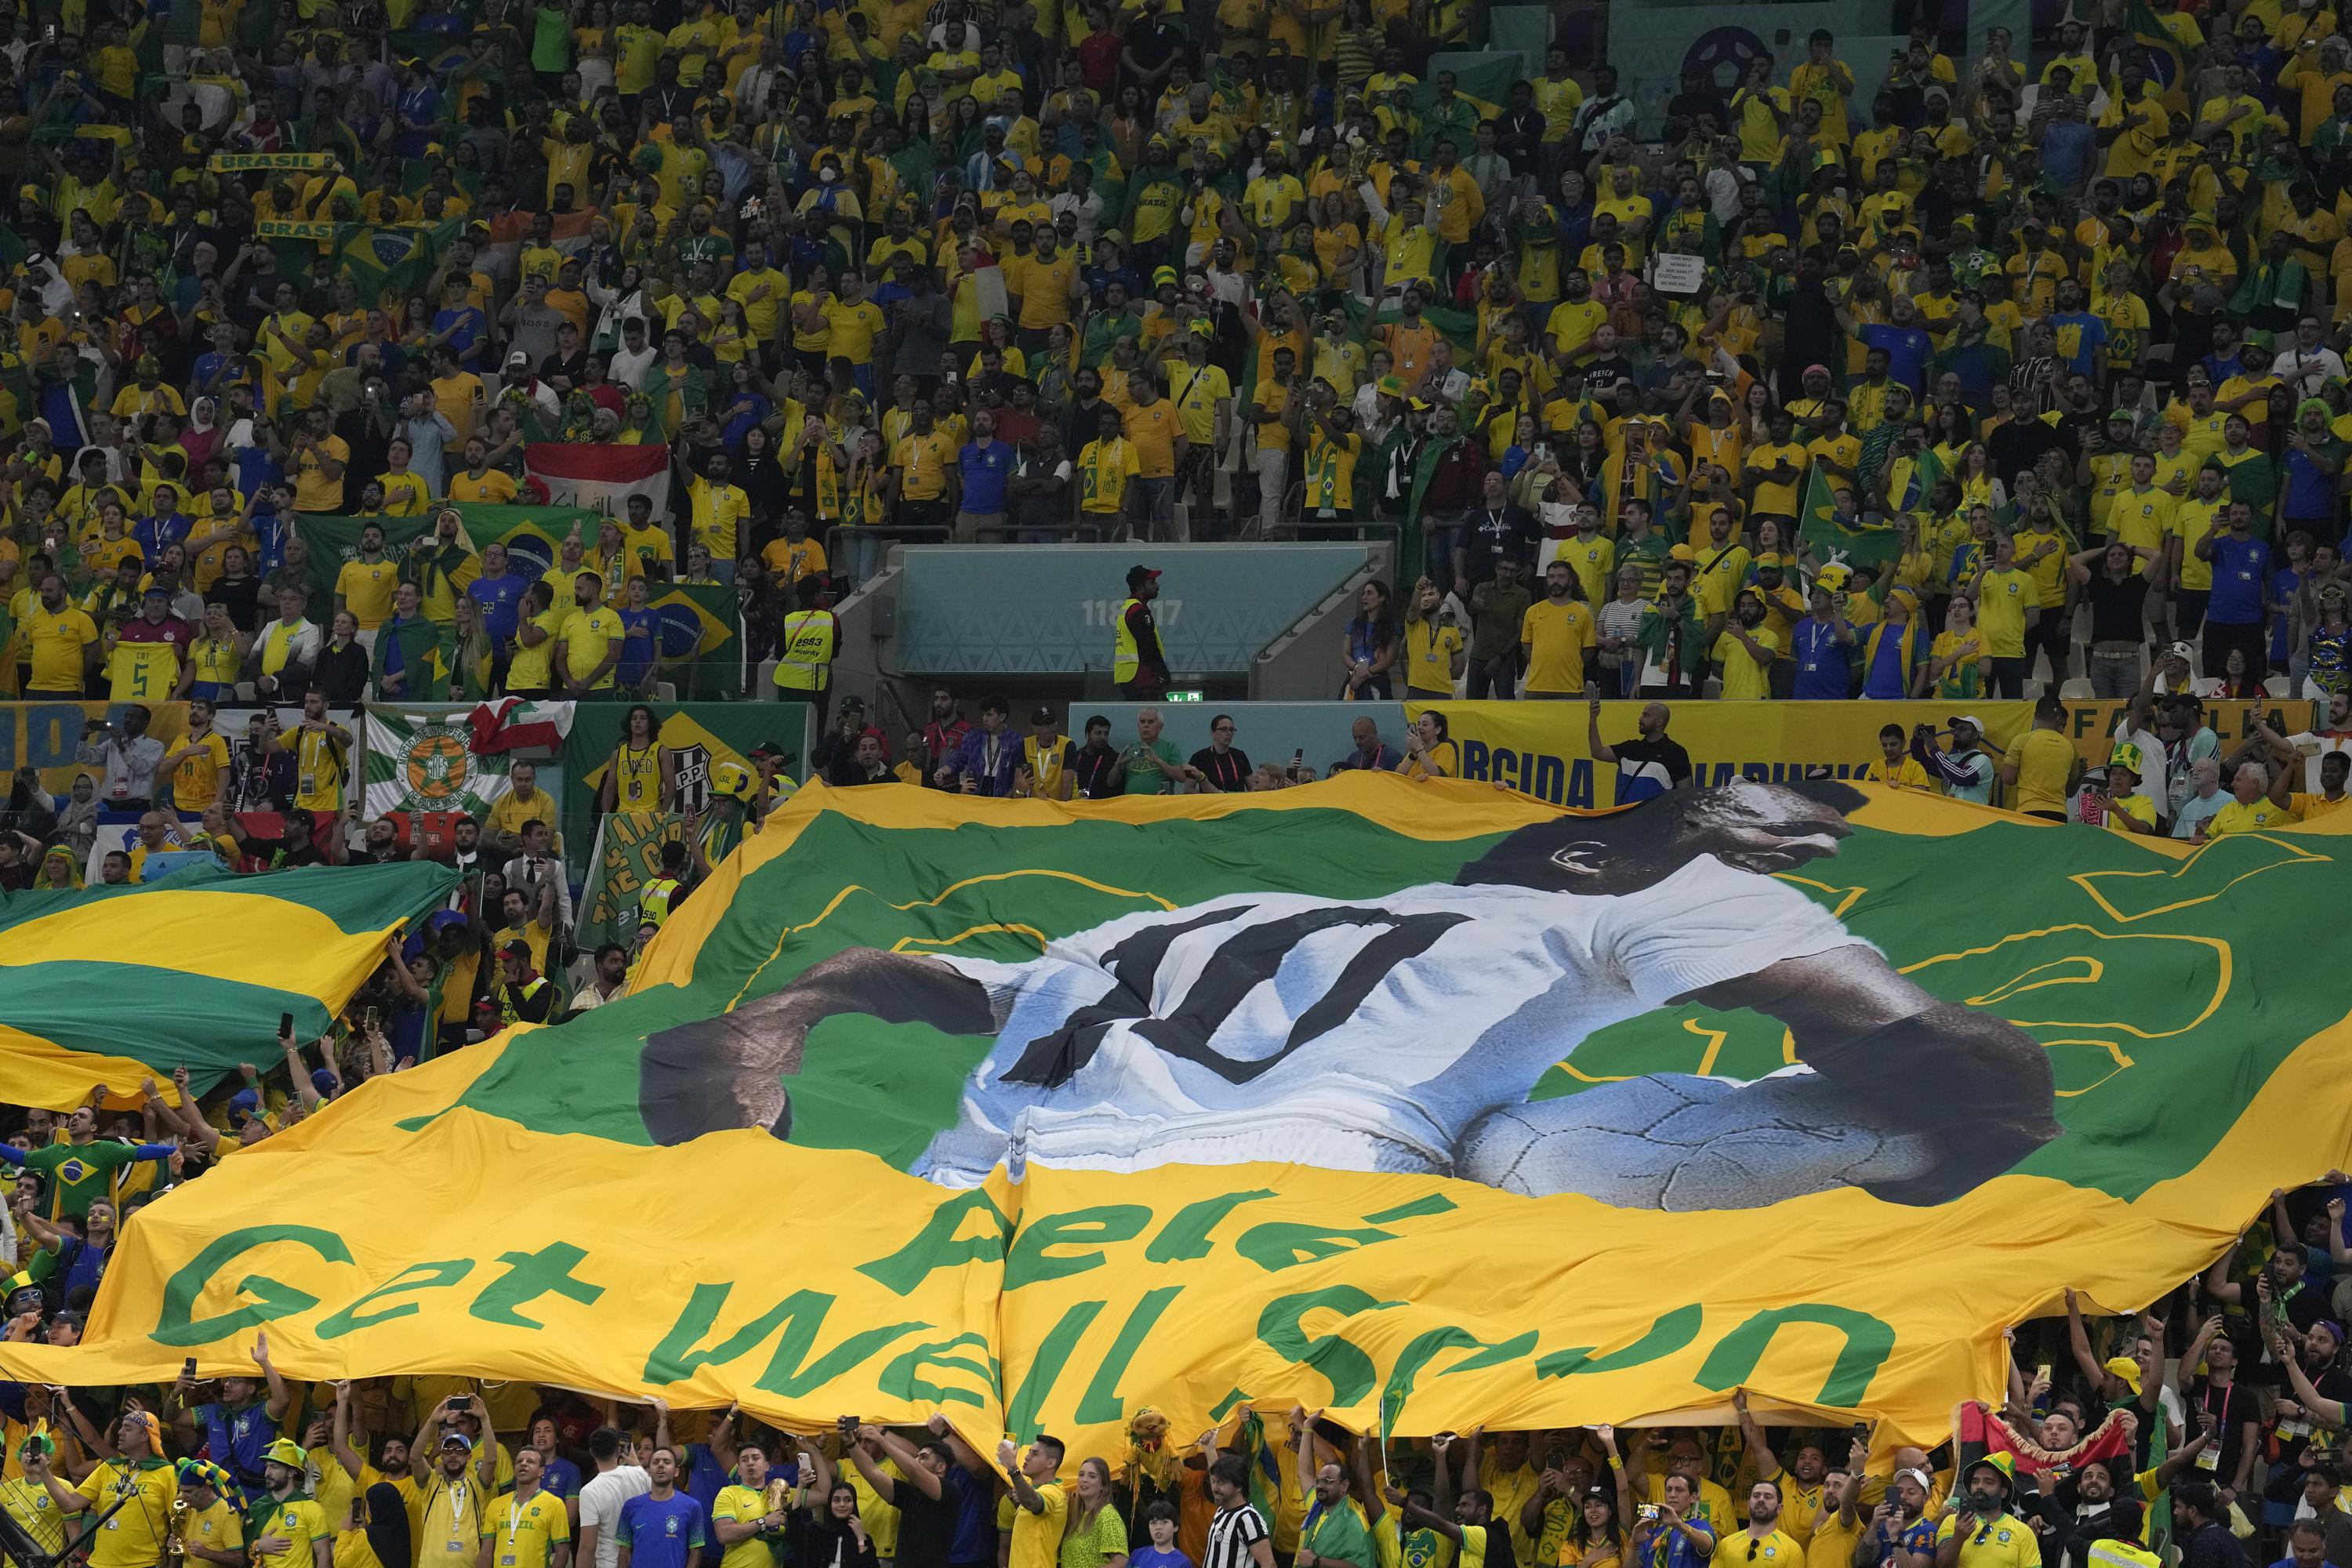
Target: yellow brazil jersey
{"points": [[853, 328], [218, 1527], [2002, 599], [1744, 679], [2005, 1540], [1429, 649], [297, 1520], [30, 1503], [195, 783], [1104, 470], [319, 759], [405, 493], [524, 1534], [742, 1505], [133, 1537], [1594, 561], [533, 666], [366, 588], [449, 1534], [2141, 518], [923, 464], [141, 671], [2191, 520], [1558, 637], [58, 638], [585, 642], [2235, 817], [1332, 473]]}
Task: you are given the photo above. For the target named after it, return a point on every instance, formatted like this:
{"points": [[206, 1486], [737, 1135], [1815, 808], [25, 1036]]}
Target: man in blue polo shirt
{"points": [[980, 471]]}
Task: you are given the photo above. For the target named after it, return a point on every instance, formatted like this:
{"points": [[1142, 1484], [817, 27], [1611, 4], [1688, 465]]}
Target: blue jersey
{"points": [[233, 1438], [659, 1532], [500, 599]]}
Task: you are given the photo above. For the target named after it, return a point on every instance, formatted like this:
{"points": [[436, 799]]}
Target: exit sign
{"points": [[1191, 696]]}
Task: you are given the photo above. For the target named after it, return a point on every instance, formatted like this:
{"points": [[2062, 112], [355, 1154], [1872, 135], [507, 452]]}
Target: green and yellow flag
{"points": [[1421, 1103], [533, 536], [1835, 539], [114, 985]]}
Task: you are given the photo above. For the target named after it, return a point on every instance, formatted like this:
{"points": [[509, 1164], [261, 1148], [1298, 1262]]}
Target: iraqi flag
{"points": [[604, 478]]}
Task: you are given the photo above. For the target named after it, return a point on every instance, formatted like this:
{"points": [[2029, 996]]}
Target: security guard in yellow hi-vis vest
{"points": [[1047, 757], [805, 663], [524, 994], [665, 892], [1137, 665]]}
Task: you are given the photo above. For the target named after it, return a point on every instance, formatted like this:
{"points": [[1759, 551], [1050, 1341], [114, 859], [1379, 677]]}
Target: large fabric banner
{"points": [[1544, 749], [114, 985], [1191, 1100]]}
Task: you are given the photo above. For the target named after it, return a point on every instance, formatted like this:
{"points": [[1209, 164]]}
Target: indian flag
{"points": [[602, 478]]}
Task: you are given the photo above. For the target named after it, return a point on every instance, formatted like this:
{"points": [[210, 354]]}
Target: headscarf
{"points": [[579, 417]]}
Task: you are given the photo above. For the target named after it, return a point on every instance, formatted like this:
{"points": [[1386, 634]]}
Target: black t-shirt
{"points": [[243, 597], [1490, 536], [1641, 762], [2231, 1405], [1228, 770], [927, 1525], [2115, 607]]}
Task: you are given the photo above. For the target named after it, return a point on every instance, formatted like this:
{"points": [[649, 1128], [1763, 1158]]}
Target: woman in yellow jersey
{"points": [[1429, 752], [1978, 485], [732, 338], [1955, 665], [215, 659], [643, 774]]}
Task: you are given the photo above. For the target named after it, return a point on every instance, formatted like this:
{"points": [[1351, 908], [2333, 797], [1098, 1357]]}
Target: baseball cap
{"points": [[768, 749], [72, 1317], [457, 1438], [1135, 574], [1970, 719], [2123, 414], [515, 949], [1769, 558], [324, 1081], [1042, 716], [245, 1099], [2124, 1367], [519, 357]]}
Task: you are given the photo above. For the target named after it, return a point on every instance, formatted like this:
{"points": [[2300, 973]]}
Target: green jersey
{"points": [[78, 1174]]}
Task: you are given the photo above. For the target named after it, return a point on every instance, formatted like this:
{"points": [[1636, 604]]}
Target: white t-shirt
{"points": [[2314, 744], [2156, 783], [600, 1505], [1354, 1037]]}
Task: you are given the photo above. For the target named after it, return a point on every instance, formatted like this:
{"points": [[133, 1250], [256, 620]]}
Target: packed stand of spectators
{"points": [[2207, 1430]]}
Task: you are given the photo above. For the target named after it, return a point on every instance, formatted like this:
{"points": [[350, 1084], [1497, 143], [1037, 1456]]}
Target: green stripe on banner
{"points": [[210, 1025], [355, 898]]}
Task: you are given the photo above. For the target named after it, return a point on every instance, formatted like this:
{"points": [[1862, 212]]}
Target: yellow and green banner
{"points": [[115, 986], [1422, 1102]]}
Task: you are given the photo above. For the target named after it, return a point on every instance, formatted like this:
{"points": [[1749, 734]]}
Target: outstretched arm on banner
{"points": [[1887, 1048]]}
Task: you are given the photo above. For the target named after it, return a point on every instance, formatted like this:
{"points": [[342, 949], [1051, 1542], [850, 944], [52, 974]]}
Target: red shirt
{"points": [[170, 629]]}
